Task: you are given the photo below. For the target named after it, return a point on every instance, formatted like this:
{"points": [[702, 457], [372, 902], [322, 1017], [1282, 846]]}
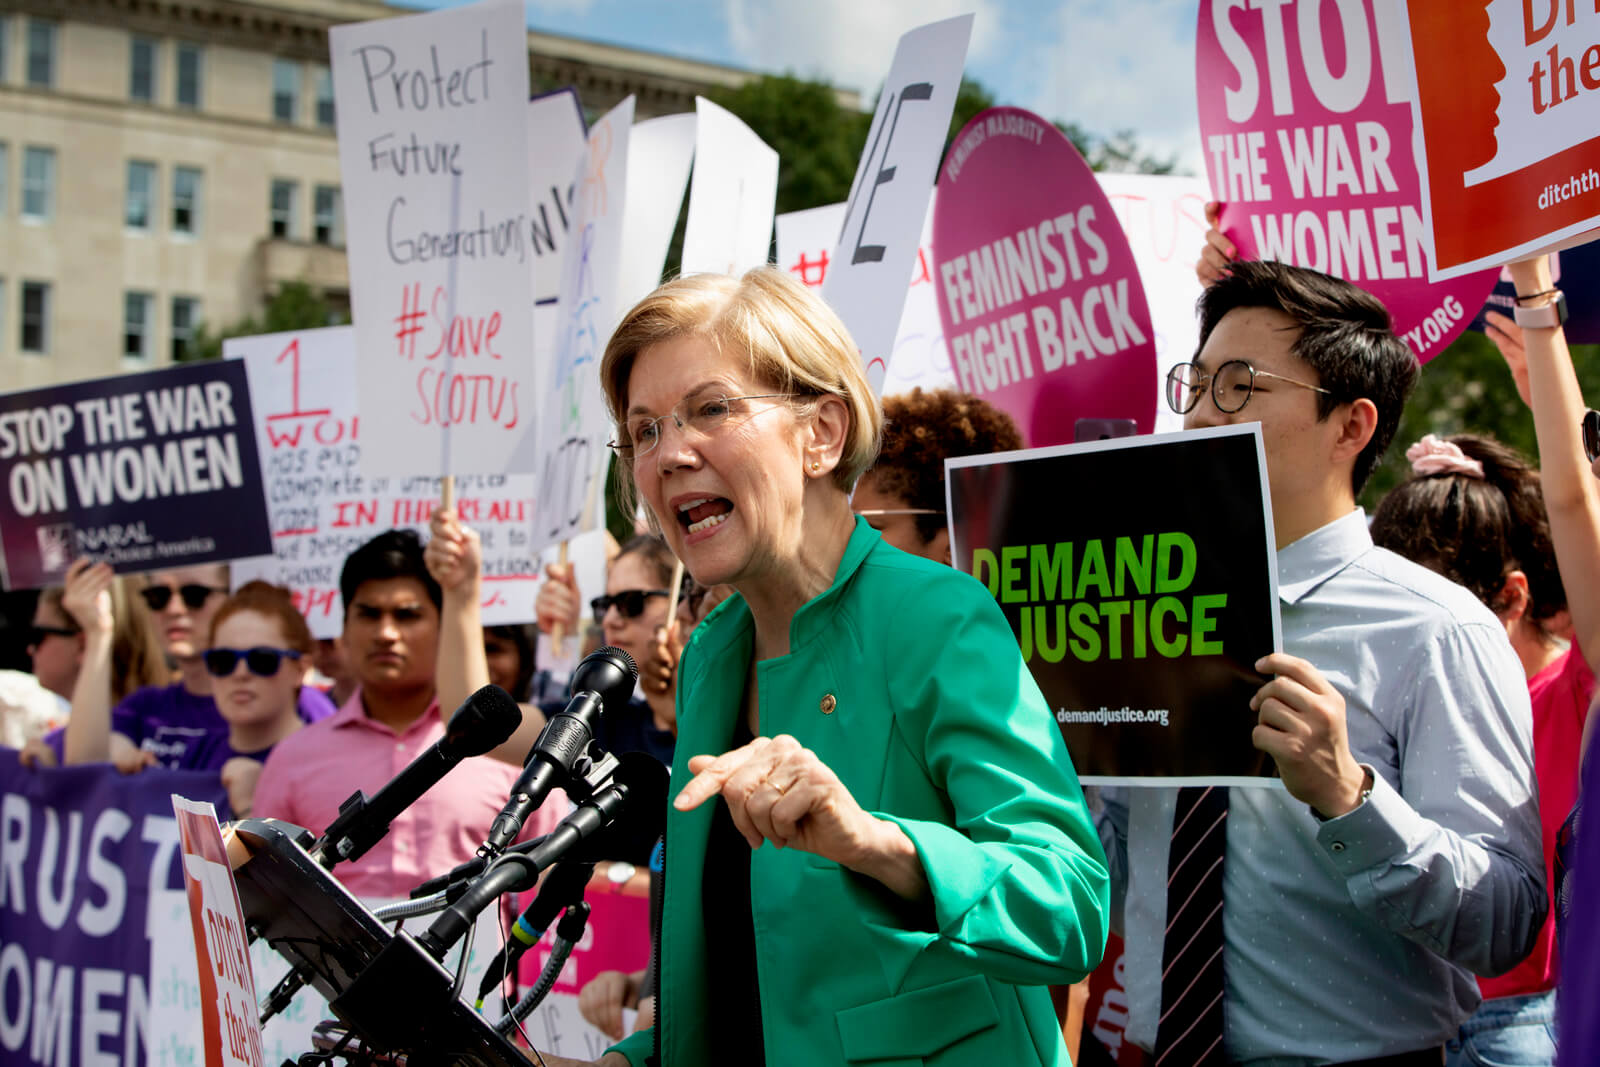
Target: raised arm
{"points": [[87, 600]]}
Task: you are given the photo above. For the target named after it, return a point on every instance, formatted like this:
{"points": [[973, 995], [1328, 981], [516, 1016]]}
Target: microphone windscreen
{"points": [[488, 718], [608, 671]]}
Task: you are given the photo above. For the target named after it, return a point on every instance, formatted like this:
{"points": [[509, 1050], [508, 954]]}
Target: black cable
{"points": [[505, 998], [461, 967]]}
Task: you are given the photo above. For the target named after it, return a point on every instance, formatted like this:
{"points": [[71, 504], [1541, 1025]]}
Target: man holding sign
{"points": [[1403, 855]]}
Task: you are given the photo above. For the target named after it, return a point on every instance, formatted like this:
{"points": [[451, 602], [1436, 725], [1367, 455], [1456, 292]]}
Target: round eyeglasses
{"points": [[1231, 386]]}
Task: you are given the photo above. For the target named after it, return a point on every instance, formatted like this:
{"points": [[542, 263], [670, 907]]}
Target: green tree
{"points": [[818, 142], [294, 306]]}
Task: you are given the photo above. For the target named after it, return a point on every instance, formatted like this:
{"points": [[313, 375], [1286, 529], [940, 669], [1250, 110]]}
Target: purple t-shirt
{"points": [[185, 731]]}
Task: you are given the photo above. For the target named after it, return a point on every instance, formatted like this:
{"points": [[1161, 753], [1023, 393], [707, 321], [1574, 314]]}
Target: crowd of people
{"points": [[877, 847]]}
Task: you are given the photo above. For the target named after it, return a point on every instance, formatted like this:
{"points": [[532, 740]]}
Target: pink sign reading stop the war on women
{"points": [[1040, 298], [1306, 126]]}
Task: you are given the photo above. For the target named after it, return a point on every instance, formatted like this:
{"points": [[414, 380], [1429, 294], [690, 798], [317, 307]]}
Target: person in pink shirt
{"points": [[391, 639]]}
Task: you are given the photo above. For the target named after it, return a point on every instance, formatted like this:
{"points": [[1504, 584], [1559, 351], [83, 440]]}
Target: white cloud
{"points": [[847, 42]]}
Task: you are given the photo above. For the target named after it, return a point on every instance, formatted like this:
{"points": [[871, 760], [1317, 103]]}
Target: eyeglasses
{"points": [[193, 594], [1231, 386], [263, 661], [629, 603], [1591, 434], [705, 416], [37, 633]]}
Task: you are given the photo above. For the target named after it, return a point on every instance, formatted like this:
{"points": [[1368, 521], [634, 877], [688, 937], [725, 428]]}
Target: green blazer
{"points": [[905, 679]]}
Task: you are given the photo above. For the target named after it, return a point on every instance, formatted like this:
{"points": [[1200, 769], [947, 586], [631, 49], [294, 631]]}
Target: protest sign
{"points": [[1164, 219], [230, 1029], [888, 201], [1105, 1016], [733, 196], [555, 145], [1307, 129], [322, 507], [87, 858], [433, 147], [661, 152], [1139, 611], [142, 471], [1576, 272], [1043, 310], [1507, 98], [572, 435]]}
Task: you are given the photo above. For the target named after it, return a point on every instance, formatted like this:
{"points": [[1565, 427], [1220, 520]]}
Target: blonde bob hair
{"points": [[795, 344]]}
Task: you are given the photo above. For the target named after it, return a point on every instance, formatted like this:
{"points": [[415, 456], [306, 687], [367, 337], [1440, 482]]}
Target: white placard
{"points": [[733, 197], [569, 492], [433, 148], [322, 507], [889, 198], [660, 153], [555, 144]]}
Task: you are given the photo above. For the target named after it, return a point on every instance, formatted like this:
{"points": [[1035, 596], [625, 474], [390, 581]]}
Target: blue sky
{"points": [[1105, 64]]}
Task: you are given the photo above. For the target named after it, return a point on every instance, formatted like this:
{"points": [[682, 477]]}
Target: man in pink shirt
{"points": [[391, 634]]}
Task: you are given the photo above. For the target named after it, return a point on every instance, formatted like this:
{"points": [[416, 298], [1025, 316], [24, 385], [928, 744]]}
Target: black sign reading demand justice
{"points": [[1139, 576]]}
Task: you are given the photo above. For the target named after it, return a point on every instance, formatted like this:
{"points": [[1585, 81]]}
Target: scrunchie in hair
{"points": [[1433, 455]]}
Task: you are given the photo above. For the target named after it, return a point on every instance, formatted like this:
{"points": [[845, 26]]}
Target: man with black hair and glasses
{"points": [[391, 642], [1340, 919]]}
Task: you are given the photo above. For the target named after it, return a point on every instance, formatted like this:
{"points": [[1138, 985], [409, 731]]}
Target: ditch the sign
{"points": [[1305, 123], [1043, 311], [1140, 578]]}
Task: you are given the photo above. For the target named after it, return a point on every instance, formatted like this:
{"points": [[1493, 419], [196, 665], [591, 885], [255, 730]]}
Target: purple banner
{"points": [[86, 854], [143, 471]]}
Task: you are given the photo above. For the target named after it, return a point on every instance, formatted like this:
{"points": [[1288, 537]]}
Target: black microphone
{"points": [[488, 718], [603, 680], [638, 787]]}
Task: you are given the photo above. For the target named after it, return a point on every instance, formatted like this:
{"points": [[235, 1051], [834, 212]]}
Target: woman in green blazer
{"points": [[879, 852]]}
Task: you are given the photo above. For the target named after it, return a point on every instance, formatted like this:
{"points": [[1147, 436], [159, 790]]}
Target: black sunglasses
{"points": [[1591, 434], [194, 595], [629, 602], [261, 660], [37, 633]]}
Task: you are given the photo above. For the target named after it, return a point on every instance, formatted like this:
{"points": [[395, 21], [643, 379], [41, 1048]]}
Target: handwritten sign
{"points": [[889, 197], [228, 998], [433, 129], [1508, 101], [575, 427], [142, 471], [1041, 300], [732, 200], [1307, 131], [322, 506], [556, 138]]}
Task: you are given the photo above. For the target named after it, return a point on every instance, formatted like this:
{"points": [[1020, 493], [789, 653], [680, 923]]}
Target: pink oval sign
{"points": [[1043, 311], [1307, 137]]}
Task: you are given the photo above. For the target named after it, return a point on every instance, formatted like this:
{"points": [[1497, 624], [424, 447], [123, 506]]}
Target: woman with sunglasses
{"points": [[259, 654], [877, 848], [173, 725]]}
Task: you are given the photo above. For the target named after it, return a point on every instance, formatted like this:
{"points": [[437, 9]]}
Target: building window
{"points": [[284, 194], [41, 53], [189, 75], [141, 202], [35, 317], [327, 221], [5, 49], [136, 316], [185, 317], [186, 200], [38, 183], [142, 70], [285, 90], [325, 98]]}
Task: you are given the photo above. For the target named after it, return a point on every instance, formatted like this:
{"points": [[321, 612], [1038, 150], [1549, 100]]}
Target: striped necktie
{"points": [[1190, 1031]]}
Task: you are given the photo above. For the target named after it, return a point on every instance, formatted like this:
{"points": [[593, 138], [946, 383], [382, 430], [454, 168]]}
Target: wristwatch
{"points": [[619, 872], [1545, 316]]}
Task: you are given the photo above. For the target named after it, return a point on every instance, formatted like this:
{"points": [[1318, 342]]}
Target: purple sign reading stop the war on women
{"points": [[1040, 298], [1306, 127]]}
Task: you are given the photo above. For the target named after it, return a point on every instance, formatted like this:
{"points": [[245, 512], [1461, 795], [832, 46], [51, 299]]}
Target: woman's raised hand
{"points": [[86, 596], [558, 602]]}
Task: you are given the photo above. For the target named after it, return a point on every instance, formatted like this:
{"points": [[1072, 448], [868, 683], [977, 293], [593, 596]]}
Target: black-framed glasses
{"points": [[1231, 386], [38, 633], [261, 660], [193, 594], [1591, 434], [704, 415], [629, 602]]}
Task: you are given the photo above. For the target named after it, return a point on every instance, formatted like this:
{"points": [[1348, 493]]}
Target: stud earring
{"points": [[815, 466]]}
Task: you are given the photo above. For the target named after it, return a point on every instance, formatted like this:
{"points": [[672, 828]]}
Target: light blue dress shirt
{"points": [[1359, 937]]}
